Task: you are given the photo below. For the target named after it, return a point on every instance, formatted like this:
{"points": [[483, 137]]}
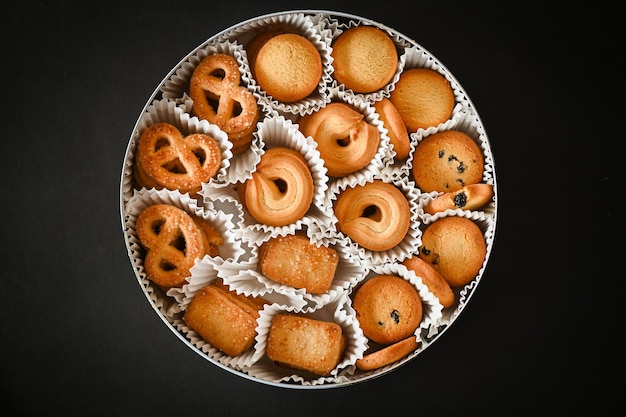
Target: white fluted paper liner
{"points": [[336, 312], [431, 307], [400, 48], [383, 155], [471, 125], [486, 223], [400, 168], [240, 276], [350, 270], [411, 241], [296, 23], [324, 25], [140, 200], [166, 111], [418, 58]]}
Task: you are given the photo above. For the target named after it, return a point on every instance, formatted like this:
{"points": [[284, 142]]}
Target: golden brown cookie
{"points": [[364, 59], [435, 282], [288, 67], [447, 161], [396, 130], [219, 98], [168, 159], [346, 141], [223, 318], [470, 197], [388, 354], [293, 260], [423, 98], [304, 343], [173, 240], [388, 308], [455, 247], [376, 215], [281, 189]]}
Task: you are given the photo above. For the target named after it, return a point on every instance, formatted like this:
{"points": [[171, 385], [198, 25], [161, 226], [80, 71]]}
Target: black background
{"points": [[78, 335]]}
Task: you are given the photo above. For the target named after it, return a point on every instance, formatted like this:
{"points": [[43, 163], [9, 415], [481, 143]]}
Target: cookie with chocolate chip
{"points": [[447, 161], [388, 308], [455, 247]]}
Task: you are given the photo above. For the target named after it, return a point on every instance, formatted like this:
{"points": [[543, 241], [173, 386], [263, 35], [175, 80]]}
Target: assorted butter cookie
{"points": [[396, 129], [376, 215], [173, 240], [455, 247], [388, 308], [305, 343], [469, 197], [218, 96], [288, 67], [447, 161], [423, 97], [224, 318], [365, 59], [280, 190], [295, 260], [168, 159], [347, 142]]}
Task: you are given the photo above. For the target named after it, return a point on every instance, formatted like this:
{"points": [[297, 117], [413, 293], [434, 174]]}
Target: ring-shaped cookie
{"points": [[375, 215], [280, 191], [345, 140]]}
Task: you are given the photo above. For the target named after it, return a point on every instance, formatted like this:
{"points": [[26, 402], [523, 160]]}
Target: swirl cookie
{"points": [[346, 141], [375, 215], [280, 191]]}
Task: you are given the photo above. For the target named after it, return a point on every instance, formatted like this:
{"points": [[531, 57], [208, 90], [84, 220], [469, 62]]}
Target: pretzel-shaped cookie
{"points": [[218, 97], [167, 159], [172, 240]]}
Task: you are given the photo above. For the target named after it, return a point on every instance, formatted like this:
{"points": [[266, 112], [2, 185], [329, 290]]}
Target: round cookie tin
{"points": [[218, 202]]}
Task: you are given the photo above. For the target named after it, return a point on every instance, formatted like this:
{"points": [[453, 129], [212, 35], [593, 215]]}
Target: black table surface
{"points": [[79, 336]]}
